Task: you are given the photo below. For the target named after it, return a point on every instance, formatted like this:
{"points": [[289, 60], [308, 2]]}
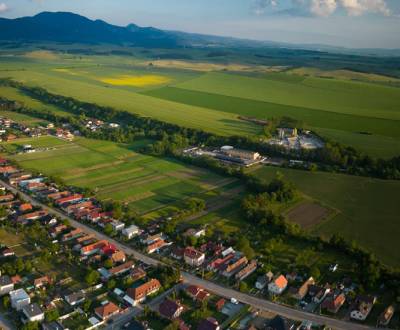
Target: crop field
{"points": [[116, 170], [367, 208], [364, 113]]}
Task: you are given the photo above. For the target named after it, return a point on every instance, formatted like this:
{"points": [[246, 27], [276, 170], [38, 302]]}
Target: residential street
{"points": [[212, 287]]}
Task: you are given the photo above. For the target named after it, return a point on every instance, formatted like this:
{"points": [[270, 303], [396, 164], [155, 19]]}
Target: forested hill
{"points": [[69, 27]]}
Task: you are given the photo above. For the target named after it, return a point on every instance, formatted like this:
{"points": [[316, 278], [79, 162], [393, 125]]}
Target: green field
{"points": [[117, 171], [368, 208], [86, 87], [338, 108]]}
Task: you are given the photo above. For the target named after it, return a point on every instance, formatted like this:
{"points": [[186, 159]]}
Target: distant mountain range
{"points": [[68, 27]]}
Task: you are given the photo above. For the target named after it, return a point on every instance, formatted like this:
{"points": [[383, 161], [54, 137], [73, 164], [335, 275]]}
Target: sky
{"points": [[348, 23]]}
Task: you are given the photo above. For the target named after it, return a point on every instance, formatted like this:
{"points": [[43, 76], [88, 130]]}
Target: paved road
{"points": [[212, 287]]}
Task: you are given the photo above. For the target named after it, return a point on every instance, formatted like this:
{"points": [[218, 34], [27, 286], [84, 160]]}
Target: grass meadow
{"points": [[367, 208], [117, 171]]}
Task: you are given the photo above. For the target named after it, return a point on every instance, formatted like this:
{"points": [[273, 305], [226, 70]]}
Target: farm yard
{"points": [[367, 208], [117, 171]]}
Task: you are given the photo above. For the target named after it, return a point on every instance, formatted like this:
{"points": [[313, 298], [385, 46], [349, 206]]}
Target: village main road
{"points": [[228, 293]]}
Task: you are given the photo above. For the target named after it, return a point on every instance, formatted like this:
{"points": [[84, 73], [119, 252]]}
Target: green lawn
{"points": [[331, 95], [368, 208], [117, 171]]}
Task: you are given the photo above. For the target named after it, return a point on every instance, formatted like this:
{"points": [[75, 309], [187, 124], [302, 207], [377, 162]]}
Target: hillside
{"points": [[68, 27]]}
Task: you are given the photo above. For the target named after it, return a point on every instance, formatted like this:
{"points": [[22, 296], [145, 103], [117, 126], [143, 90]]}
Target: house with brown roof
{"points": [[74, 233], [139, 294], [234, 266], [32, 216], [197, 293], [69, 199], [193, 257], [118, 256], [155, 246], [116, 271], [334, 301], [246, 271], [104, 312], [6, 198], [170, 309], [278, 285], [42, 281], [302, 291], [137, 274]]}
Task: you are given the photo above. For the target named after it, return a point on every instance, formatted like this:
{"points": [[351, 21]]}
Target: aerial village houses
{"points": [[246, 271], [19, 298], [131, 231], [170, 309], [362, 307], [263, 280], [104, 312], [193, 257], [137, 295], [334, 301], [301, 292], [234, 266], [278, 285], [32, 313], [6, 285]]}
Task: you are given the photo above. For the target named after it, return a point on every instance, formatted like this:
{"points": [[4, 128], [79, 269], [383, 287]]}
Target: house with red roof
{"points": [[278, 285], [334, 301], [155, 246], [106, 311], [69, 199], [139, 294]]}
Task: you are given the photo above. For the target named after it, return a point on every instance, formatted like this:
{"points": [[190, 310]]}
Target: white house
{"points": [[131, 231], [193, 257], [32, 313], [278, 285], [117, 225], [19, 298], [364, 305]]}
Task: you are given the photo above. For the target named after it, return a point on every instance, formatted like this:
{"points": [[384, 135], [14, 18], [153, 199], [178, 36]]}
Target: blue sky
{"points": [[349, 23]]}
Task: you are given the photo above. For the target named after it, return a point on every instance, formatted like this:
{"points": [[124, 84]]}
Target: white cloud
{"points": [[323, 7], [3, 7], [328, 7], [359, 7]]}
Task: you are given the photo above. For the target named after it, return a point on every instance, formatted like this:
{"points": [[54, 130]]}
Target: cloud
{"points": [[359, 7], [3, 7], [325, 8]]}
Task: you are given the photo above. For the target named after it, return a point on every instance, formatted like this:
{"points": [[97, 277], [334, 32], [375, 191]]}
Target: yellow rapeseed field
{"points": [[137, 81]]}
